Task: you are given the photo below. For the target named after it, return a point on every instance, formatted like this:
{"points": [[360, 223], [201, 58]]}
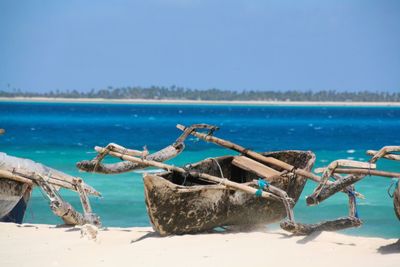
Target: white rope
{"points": [[220, 170]]}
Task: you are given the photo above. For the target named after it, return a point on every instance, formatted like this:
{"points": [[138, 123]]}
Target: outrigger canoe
{"points": [[17, 178], [14, 198], [183, 204]]}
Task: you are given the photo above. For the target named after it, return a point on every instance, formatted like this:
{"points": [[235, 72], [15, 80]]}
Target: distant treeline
{"points": [[179, 93]]}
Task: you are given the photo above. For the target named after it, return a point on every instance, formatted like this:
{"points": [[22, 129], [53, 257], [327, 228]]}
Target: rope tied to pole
{"points": [[220, 169], [188, 168], [394, 184], [352, 194], [261, 185], [369, 168]]}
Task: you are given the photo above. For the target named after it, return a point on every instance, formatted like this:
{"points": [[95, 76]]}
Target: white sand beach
{"points": [[197, 102], [46, 245]]}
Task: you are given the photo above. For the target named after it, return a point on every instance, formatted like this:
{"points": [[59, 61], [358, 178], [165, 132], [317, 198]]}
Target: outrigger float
{"points": [[18, 176], [247, 189]]}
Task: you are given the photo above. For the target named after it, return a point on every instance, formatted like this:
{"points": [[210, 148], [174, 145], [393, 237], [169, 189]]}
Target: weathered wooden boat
{"points": [[181, 204], [14, 198], [17, 178]]}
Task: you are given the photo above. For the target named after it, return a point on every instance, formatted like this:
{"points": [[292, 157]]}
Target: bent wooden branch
{"points": [[95, 164], [164, 154], [334, 225], [323, 191]]}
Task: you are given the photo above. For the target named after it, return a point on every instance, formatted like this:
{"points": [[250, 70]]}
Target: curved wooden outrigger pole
{"points": [[169, 152]]}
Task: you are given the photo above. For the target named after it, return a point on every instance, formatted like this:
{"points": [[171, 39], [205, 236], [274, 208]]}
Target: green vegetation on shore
{"points": [[180, 93]]}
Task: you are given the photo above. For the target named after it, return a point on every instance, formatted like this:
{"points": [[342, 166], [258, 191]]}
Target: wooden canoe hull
{"points": [[174, 208], [14, 197]]}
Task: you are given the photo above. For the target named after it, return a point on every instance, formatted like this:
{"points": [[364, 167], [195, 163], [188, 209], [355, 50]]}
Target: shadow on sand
{"points": [[391, 248]]}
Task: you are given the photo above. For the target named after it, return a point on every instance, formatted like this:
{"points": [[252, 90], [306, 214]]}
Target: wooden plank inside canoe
{"points": [[256, 167]]}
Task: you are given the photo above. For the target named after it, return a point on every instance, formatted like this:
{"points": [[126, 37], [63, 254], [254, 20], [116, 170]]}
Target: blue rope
{"points": [[351, 194], [261, 185], [259, 192]]}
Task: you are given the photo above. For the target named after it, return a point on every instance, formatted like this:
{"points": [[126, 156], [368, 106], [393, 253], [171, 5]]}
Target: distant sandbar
{"points": [[197, 102]]}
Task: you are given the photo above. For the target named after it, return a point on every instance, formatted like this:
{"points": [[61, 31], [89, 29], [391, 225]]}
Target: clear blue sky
{"points": [[250, 44]]}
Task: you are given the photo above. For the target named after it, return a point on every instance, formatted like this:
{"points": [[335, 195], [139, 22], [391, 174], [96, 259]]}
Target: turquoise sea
{"points": [[60, 134]]}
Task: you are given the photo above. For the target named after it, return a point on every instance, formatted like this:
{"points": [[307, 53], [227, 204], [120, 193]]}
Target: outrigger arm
{"points": [[357, 171], [169, 152], [49, 184], [66, 211]]}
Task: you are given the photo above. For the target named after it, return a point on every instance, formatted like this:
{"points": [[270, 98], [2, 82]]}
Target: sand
{"points": [[47, 245], [197, 102]]}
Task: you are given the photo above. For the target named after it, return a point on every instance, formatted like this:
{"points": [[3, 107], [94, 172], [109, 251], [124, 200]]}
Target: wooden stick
{"points": [[15, 177], [387, 156], [256, 167], [368, 172], [333, 188], [30, 178], [334, 225], [123, 150], [60, 207], [204, 176], [384, 151], [83, 197], [252, 154]]}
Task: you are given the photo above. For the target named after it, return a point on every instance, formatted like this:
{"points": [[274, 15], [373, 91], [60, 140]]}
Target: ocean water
{"points": [[61, 134]]}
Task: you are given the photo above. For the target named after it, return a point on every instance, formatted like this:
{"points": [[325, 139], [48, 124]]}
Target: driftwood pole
{"points": [[15, 177], [368, 172], [58, 180]]}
